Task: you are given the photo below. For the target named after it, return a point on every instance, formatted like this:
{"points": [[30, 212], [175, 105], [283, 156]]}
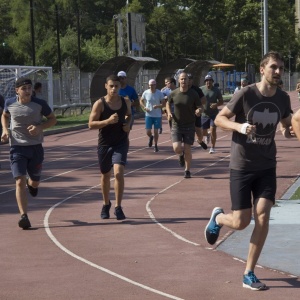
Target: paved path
{"points": [[159, 251]]}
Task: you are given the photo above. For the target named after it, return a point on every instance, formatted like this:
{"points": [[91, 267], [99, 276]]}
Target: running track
{"points": [[158, 252]]}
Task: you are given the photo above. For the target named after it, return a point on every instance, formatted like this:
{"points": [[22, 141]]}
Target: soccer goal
{"points": [[9, 75]]}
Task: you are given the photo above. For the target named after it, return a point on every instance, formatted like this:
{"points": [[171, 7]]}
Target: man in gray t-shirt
{"points": [[23, 126], [257, 110]]}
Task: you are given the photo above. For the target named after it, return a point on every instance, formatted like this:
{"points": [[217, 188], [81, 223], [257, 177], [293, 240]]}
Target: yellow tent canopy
{"points": [[223, 65]]}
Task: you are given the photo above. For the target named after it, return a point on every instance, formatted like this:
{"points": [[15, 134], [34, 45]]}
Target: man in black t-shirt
{"points": [[257, 109], [111, 115]]}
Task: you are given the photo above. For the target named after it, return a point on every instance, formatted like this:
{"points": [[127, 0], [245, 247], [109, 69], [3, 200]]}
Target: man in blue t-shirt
{"points": [[128, 91]]}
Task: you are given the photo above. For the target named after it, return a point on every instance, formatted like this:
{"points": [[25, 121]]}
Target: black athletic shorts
{"points": [[246, 187], [110, 155]]}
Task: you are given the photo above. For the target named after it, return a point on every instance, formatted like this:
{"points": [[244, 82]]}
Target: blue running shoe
{"points": [[212, 229], [250, 281]]}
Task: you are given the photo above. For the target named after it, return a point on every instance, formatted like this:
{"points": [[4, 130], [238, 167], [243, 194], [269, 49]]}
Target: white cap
{"points": [[152, 82], [122, 74]]}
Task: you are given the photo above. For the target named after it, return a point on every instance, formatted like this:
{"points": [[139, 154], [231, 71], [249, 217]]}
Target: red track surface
{"points": [[158, 252]]}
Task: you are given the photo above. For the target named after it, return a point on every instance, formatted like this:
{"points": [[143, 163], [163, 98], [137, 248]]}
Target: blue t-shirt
{"points": [[130, 92]]}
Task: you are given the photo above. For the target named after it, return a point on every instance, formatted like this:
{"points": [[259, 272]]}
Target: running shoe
{"points": [[187, 174], [212, 150], [150, 141], [105, 211], [24, 222], [32, 191], [212, 229], [181, 160], [202, 144], [250, 281], [119, 213], [155, 148]]}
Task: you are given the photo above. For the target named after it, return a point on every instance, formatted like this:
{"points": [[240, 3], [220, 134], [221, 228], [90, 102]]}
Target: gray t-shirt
{"points": [[24, 115], [249, 105]]}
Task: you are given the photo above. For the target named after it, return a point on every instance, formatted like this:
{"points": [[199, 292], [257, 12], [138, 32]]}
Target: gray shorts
{"points": [[184, 135], [27, 160], [247, 186], [111, 155]]}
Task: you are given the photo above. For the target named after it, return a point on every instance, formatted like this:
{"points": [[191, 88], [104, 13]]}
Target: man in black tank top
{"points": [[111, 115]]}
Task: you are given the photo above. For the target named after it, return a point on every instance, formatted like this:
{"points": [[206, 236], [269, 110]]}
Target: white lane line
{"points": [[153, 218], [67, 251]]}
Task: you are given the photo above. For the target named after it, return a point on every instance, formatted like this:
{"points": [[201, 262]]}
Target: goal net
{"points": [[9, 75]]}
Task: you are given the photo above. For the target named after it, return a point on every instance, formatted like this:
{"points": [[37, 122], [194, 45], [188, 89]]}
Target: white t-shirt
{"points": [[152, 99]]}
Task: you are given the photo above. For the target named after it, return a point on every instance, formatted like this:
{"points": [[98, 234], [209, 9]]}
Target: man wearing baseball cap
{"points": [[129, 92], [25, 136], [214, 99], [152, 101]]}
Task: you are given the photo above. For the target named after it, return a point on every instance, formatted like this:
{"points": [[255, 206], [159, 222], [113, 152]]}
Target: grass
{"points": [[70, 120], [296, 195]]}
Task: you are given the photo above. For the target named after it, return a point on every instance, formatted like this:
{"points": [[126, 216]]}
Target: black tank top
{"points": [[113, 134]]}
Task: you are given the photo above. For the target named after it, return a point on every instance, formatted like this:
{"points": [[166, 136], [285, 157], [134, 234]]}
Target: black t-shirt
{"points": [[250, 106]]}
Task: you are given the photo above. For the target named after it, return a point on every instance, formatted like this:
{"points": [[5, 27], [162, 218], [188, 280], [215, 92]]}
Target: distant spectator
{"points": [[280, 84], [298, 88], [244, 82], [1, 111], [37, 89]]}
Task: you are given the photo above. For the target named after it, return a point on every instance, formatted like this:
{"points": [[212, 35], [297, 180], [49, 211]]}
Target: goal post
{"points": [[9, 75]]}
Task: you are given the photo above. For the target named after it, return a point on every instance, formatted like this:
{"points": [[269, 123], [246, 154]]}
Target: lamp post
{"points": [[32, 33], [290, 70]]}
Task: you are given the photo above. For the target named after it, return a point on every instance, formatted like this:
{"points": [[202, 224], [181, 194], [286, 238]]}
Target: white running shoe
{"points": [[212, 150]]}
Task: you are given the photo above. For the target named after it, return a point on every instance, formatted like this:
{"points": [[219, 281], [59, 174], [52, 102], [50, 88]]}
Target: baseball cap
{"points": [[22, 81], [152, 82], [208, 77], [122, 74]]}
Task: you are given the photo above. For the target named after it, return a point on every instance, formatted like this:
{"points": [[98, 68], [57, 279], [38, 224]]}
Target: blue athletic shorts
{"points": [[27, 160], [184, 135], [207, 122], [247, 186], [151, 121], [111, 155]]}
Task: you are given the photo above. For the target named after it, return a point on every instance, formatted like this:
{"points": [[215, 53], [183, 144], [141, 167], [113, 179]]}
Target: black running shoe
{"points": [[181, 160], [32, 191], [203, 145], [119, 213], [24, 222], [150, 141], [187, 174], [155, 148], [105, 211]]}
